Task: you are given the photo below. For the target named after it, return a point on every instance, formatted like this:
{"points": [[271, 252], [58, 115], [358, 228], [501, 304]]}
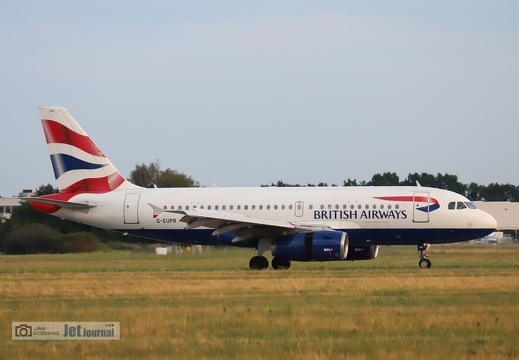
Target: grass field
{"points": [[212, 306]]}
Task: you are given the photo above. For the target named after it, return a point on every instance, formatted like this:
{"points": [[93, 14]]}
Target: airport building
{"points": [[507, 216], [7, 204]]}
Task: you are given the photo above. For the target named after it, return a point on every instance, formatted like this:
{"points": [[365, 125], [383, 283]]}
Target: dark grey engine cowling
{"points": [[362, 252], [316, 246]]}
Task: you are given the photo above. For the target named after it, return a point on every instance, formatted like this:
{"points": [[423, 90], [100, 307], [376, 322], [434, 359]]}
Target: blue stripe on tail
{"points": [[63, 163]]}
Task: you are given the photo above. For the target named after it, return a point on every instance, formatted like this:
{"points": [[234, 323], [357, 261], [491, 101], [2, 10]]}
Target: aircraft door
{"points": [[131, 209], [421, 202], [299, 208]]}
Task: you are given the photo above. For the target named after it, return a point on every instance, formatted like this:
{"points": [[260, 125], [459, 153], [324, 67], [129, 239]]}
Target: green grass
{"points": [[212, 306]]}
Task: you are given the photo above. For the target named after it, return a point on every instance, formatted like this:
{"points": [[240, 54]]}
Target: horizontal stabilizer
{"points": [[62, 204]]}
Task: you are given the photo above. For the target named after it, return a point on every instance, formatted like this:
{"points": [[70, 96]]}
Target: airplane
{"points": [[295, 224]]}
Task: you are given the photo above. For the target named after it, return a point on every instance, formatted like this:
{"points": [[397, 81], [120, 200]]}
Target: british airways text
{"points": [[357, 214]]}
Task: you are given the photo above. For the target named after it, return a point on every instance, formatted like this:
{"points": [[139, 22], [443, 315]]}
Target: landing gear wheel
{"points": [[425, 263], [258, 263], [280, 263]]}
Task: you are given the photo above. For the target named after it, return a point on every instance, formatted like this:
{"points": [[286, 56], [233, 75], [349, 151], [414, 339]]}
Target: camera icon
{"points": [[23, 330]]}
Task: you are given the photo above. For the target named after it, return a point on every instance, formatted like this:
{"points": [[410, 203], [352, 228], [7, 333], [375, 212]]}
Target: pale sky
{"points": [[244, 93]]}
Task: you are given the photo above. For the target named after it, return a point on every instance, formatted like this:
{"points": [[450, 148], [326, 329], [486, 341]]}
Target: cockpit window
{"points": [[470, 205], [461, 205]]}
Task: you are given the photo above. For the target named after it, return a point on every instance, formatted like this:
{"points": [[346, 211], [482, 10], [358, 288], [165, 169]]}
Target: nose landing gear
{"points": [[424, 262]]}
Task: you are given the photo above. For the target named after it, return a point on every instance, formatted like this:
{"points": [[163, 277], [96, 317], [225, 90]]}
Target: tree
{"points": [[173, 178], [474, 191], [440, 181], [350, 182], [424, 179], [146, 175], [46, 190], [499, 192], [151, 175], [450, 182], [386, 179]]}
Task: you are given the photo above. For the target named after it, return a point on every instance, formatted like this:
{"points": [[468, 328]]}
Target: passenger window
{"points": [[290, 207], [452, 205], [282, 207], [208, 207], [310, 207], [397, 206], [165, 207], [238, 207], [275, 207], [366, 206], [268, 207], [216, 207], [261, 207], [172, 207], [231, 207], [253, 207], [246, 207], [382, 207], [187, 207], [374, 207], [180, 207], [337, 206], [352, 206], [322, 207]]}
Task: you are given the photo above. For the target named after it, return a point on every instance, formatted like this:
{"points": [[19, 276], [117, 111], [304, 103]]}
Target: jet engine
{"points": [[314, 246], [362, 252]]}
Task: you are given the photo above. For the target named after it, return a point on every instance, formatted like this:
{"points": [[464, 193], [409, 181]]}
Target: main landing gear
{"points": [[424, 263], [260, 262]]}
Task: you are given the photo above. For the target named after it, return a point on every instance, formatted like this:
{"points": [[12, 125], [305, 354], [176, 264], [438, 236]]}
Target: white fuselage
{"points": [[370, 215]]}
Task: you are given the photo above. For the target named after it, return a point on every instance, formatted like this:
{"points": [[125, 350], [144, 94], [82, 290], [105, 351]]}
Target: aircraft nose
{"points": [[488, 221]]}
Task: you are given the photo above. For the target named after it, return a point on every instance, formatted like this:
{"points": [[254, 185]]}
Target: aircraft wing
{"points": [[243, 227]]}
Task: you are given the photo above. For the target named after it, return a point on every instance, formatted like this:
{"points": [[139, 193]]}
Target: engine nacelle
{"points": [[318, 246], [362, 252]]}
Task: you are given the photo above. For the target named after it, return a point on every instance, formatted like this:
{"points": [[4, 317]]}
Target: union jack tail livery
{"points": [[79, 165]]}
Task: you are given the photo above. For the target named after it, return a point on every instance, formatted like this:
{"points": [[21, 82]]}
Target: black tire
{"points": [[424, 263], [258, 263], [280, 264]]}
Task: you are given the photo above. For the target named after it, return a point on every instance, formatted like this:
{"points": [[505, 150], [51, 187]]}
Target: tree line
{"points": [[30, 231], [473, 191]]}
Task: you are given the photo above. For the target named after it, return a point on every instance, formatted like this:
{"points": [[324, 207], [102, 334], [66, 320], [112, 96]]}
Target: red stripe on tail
{"points": [[60, 134], [96, 185]]}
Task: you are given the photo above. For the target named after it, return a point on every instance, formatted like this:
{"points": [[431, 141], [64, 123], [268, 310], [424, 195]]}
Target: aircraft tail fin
{"points": [[79, 165]]}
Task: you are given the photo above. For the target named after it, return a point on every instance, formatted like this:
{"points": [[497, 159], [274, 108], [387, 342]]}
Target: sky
{"points": [[245, 93]]}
